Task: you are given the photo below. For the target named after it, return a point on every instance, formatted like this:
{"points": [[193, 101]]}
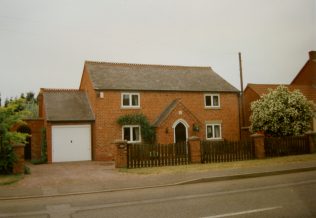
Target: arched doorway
{"points": [[27, 148], [180, 131]]}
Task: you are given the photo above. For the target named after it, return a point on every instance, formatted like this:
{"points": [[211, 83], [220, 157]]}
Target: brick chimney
{"points": [[312, 55]]}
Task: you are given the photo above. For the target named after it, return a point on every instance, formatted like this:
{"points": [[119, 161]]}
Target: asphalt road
{"points": [[292, 195]]}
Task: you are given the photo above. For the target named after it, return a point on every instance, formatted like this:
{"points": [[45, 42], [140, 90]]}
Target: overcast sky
{"points": [[45, 43]]}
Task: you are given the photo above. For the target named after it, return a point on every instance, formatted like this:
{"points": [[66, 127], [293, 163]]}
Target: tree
{"points": [[30, 97], [10, 116], [282, 113]]}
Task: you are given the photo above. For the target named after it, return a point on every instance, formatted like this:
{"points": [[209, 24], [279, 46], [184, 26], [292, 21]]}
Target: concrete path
{"points": [[85, 177]]}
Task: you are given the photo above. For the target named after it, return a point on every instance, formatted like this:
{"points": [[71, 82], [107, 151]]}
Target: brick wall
{"points": [[307, 76], [249, 97], [36, 126], [152, 104], [86, 85]]}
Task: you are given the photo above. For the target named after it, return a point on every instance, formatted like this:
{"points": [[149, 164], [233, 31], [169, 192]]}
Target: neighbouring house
{"points": [[178, 101], [305, 81]]}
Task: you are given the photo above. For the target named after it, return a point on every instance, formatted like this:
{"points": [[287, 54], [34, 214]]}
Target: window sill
{"points": [[212, 108], [138, 142], [130, 107], [214, 140]]}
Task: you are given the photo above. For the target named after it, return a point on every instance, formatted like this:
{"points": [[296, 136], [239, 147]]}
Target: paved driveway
{"points": [[62, 178]]}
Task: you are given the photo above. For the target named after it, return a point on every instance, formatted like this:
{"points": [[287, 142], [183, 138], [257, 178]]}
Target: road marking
{"points": [[244, 212], [60, 210]]}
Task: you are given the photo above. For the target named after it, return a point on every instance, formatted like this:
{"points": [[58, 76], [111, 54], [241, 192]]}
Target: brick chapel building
{"points": [[178, 101]]}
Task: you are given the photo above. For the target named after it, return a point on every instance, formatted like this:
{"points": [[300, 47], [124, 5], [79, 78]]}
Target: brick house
{"points": [[305, 81], [178, 101]]}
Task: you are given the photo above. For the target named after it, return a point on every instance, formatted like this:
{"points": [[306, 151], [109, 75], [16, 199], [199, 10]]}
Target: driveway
{"points": [[79, 177], [72, 177]]}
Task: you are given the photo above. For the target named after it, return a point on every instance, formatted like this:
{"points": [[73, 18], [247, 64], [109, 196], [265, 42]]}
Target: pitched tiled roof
{"points": [[165, 113], [308, 91], [168, 110], [66, 105], [120, 76]]}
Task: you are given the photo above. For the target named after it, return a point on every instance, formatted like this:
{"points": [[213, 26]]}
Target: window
{"points": [[131, 133], [213, 131], [130, 100], [212, 100]]}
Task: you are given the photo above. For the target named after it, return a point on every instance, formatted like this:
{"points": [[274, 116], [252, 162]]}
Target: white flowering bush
{"points": [[282, 113]]}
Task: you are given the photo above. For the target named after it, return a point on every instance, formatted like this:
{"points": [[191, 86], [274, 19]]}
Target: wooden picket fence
{"points": [[151, 155], [288, 145], [226, 151]]}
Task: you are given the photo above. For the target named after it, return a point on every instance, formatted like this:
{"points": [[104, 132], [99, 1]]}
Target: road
{"points": [[291, 195]]}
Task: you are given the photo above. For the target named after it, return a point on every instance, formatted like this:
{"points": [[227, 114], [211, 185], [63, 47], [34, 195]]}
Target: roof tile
{"points": [[67, 105], [122, 76]]}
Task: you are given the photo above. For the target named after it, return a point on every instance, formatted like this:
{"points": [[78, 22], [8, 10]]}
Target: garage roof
{"points": [[67, 105]]}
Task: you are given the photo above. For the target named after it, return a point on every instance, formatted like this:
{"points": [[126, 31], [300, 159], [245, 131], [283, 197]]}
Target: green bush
{"points": [[282, 113], [147, 131], [7, 158], [9, 116]]}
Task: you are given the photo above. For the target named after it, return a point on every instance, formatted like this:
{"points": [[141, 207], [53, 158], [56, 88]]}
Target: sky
{"points": [[45, 43]]}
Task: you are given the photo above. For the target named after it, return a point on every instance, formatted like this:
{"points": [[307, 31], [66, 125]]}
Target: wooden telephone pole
{"points": [[241, 92]]}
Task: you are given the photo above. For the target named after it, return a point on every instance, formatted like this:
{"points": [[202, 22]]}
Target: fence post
{"points": [[195, 149], [259, 145], [312, 141], [18, 166], [121, 154]]}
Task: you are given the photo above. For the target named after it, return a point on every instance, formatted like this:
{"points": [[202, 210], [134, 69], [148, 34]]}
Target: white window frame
{"points": [[212, 101], [213, 129], [130, 94], [131, 133]]}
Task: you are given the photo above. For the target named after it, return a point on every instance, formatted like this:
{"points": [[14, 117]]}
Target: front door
{"points": [[180, 133]]}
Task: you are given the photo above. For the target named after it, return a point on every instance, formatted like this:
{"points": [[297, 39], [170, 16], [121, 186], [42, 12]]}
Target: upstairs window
{"points": [[130, 100], [212, 100], [213, 131], [131, 133]]}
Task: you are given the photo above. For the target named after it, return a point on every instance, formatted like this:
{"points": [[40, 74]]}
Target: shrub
{"points": [[7, 158], [9, 116], [282, 113], [147, 131]]}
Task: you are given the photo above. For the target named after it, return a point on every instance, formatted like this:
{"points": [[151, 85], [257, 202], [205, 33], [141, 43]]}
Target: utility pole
{"points": [[241, 92]]}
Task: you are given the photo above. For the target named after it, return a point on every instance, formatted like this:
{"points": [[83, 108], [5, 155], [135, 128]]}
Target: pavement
{"points": [[62, 179]]}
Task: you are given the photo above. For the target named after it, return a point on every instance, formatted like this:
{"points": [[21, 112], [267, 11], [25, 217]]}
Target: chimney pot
{"points": [[312, 55]]}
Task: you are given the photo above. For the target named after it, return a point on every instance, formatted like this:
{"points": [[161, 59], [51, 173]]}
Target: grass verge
{"points": [[219, 166], [10, 179]]}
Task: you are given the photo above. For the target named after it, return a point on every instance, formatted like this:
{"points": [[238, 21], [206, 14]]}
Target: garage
{"points": [[71, 143]]}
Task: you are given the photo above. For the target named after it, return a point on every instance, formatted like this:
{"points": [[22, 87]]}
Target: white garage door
{"points": [[71, 143]]}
